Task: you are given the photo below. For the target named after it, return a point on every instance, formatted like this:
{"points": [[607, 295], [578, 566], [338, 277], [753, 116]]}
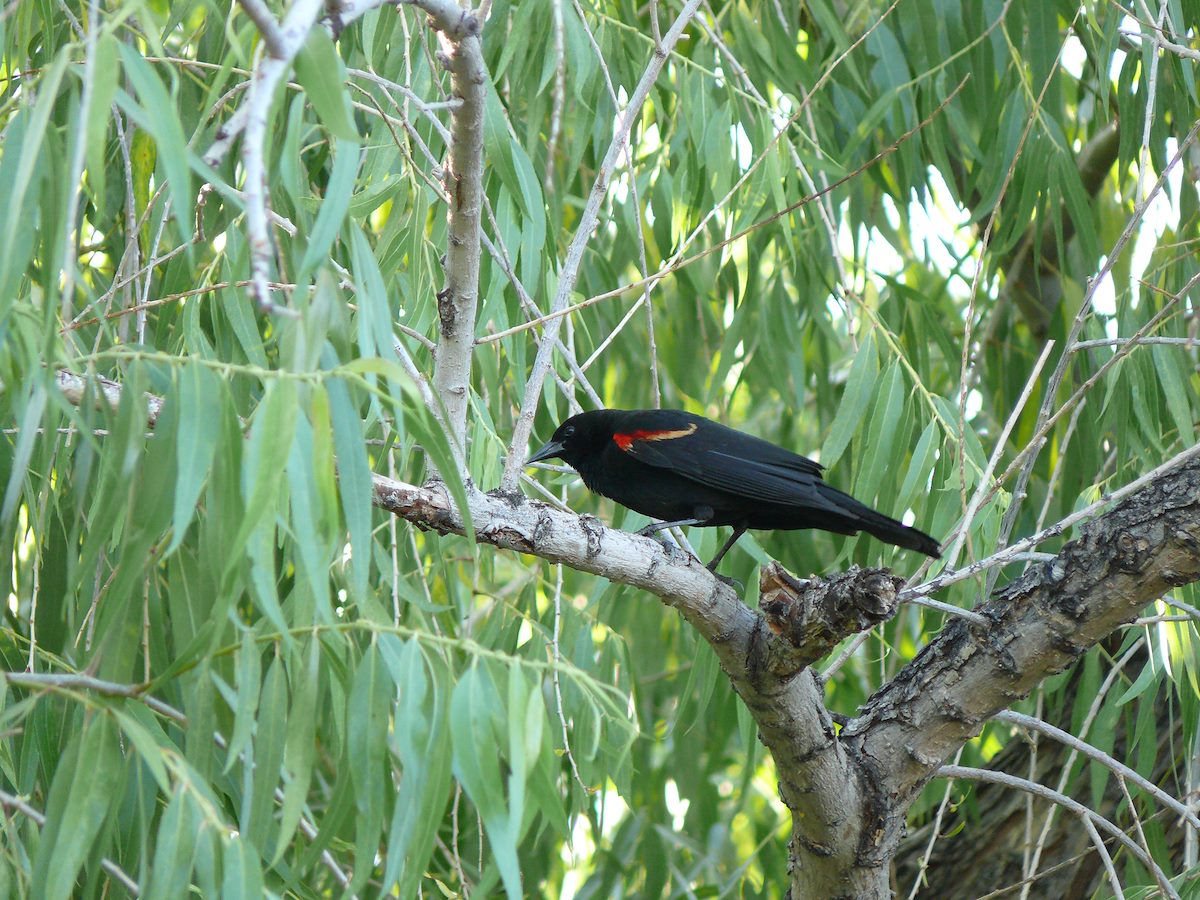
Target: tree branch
{"points": [[10, 801], [139, 692], [282, 41], [462, 54], [1043, 621], [283, 45], [75, 387], [1034, 724], [268, 28]]}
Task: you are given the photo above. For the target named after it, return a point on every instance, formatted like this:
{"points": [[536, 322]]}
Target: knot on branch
{"points": [[812, 615], [815, 614], [447, 312], [593, 532], [1132, 554]]}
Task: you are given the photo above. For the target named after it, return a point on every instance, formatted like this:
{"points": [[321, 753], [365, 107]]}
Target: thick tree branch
{"points": [[1124, 559], [818, 781]]}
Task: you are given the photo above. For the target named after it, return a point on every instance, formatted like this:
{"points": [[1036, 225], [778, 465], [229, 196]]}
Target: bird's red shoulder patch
{"points": [[625, 441]]}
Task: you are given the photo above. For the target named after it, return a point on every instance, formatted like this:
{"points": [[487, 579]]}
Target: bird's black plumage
{"points": [[685, 469]]}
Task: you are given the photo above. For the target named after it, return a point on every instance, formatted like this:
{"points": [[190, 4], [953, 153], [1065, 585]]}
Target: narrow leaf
{"points": [[199, 400], [322, 73]]}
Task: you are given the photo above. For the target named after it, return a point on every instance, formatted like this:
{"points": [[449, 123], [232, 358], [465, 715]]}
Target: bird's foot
{"points": [[662, 538], [673, 550]]}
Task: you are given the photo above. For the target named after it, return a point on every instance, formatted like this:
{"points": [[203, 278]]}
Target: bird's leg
{"points": [[738, 531], [701, 516], [663, 526]]}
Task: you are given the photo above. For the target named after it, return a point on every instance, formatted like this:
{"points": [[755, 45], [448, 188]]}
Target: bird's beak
{"points": [[551, 449]]}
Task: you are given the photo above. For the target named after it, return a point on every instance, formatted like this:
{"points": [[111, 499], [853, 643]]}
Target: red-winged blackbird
{"points": [[685, 469]]}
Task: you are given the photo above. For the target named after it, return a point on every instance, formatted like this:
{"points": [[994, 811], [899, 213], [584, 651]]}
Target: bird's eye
{"points": [[568, 431]]}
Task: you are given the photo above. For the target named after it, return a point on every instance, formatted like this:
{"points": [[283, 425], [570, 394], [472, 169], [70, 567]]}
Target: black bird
{"points": [[685, 469]]}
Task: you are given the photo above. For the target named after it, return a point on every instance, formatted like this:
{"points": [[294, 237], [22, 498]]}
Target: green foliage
{"points": [[344, 704]]}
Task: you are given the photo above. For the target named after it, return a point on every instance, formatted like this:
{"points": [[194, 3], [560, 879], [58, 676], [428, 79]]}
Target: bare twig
{"points": [[656, 390], [934, 833], [1150, 70], [1048, 414], [1001, 442], [1063, 737], [966, 364], [75, 176], [587, 223], [1013, 551], [1105, 858], [1188, 342], [559, 97], [1163, 884], [1040, 790], [947, 608], [269, 70], [10, 801], [76, 682], [678, 261], [268, 27], [73, 682]]}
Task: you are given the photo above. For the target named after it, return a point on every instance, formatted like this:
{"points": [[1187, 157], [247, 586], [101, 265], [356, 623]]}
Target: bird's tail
{"points": [[887, 529]]}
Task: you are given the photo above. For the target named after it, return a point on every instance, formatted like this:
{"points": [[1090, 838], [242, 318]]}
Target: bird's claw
{"points": [[680, 553]]}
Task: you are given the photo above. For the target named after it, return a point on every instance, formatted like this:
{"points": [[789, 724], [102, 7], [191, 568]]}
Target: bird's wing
{"points": [[737, 463]]}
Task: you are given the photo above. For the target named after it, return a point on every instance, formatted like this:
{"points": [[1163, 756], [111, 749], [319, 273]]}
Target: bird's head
{"points": [[577, 438]]}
